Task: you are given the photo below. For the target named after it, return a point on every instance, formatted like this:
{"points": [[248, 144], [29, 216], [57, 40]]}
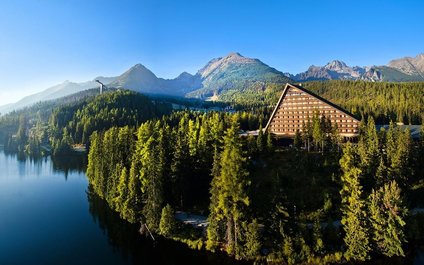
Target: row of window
{"points": [[300, 99], [291, 94], [294, 130], [305, 107], [307, 117], [298, 124], [304, 103], [312, 112]]}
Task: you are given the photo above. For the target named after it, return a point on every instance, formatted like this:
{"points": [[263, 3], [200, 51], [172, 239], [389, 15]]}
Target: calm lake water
{"points": [[49, 216]]}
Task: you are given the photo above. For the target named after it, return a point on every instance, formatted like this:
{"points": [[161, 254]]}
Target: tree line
{"points": [[385, 102], [74, 121], [197, 162]]}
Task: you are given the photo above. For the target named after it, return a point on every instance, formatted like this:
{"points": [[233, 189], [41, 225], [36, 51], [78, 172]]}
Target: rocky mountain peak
{"points": [[409, 65], [336, 65], [221, 63]]}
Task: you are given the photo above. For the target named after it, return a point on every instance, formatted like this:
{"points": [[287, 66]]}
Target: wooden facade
{"points": [[297, 106]]}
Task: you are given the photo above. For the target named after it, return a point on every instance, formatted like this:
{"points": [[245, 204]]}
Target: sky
{"points": [[45, 42]]}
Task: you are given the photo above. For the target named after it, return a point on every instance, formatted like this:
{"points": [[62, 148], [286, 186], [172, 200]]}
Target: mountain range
{"points": [[399, 70], [217, 76], [233, 72]]}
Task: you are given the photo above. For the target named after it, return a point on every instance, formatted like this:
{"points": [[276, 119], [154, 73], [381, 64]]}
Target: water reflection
{"points": [[49, 215], [66, 164], [137, 249], [75, 163]]}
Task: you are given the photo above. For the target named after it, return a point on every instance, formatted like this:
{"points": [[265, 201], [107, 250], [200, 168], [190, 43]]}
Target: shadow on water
{"points": [[66, 164], [75, 162], [137, 249]]}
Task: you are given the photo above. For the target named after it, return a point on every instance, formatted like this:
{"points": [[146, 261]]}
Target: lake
{"points": [[48, 215]]}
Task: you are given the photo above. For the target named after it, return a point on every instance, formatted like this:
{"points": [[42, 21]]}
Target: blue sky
{"points": [[45, 42]]}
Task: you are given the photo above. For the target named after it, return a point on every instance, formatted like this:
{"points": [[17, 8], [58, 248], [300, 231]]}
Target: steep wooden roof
{"points": [[288, 85]]}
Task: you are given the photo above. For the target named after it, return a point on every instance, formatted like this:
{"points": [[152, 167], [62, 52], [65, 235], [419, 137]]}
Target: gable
{"points": [[297, 106]]}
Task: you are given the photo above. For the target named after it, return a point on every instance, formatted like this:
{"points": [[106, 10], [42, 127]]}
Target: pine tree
{"points": [[252, 147], [400, 160], [368, 150], [213, 229], [317, 134], [297, 142], [260, 140], [381, 173], [253, 243], [122, 192], [151, 177], [132, 205], [95, 167], [317, 238], [167, 222], [228, 192], [353, 207], [269, 143], [21, 137], [288, 250], [181, 163], [387, 214]]}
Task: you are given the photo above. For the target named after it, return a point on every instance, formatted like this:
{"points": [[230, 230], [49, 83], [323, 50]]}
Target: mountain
{"points": [[141, 79], [230, 76], [232, 72], [333, 70], [405, 69], [410, 66], [388, 74], [61, 90], [216, 77], [235, 71]]}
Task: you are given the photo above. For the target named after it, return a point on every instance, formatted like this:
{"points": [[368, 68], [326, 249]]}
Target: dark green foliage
{"points": [[167, 161], [260, 143], [288, 251], [387, 216], [229, 197], [152, 171], [319, 134], [59, 124], [117, 108], [253, 241], [167, 221], [110, 170], [181, 157], [353, 208], [384, 101], [269, 143], [317, 238], [297, 141]]}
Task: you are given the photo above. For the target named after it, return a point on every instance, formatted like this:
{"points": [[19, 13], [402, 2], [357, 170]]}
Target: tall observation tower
{"points": [[101, 86]]}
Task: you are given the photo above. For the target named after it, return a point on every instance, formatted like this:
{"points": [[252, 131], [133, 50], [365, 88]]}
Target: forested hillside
{"points": [[317, 201], [287, 201], [399, 102], [39, 112], [77, 121], [60, 124]]}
